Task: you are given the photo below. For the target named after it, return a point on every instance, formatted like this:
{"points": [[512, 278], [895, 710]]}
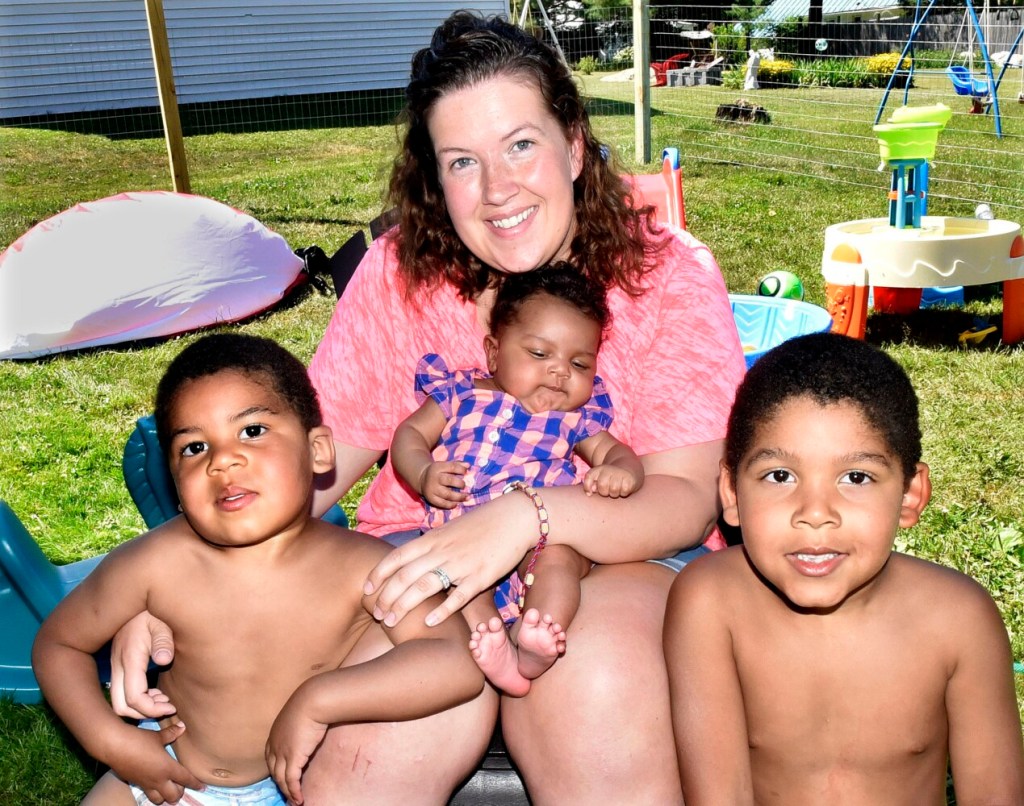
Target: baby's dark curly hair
{"points": [[264, 360], [829, 369], [559, 280], [610, 243]]}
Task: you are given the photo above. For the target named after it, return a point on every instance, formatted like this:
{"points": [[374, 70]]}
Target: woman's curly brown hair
{"points": [[611, 244]]}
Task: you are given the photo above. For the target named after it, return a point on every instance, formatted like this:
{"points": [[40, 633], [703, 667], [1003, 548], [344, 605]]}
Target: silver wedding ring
{"points": [[446, 581]]}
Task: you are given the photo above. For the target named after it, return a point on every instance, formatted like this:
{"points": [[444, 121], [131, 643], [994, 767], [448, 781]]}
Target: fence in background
{"points": [[260, 64]]}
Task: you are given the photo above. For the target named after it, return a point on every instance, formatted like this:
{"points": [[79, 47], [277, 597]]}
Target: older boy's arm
{"points": [[708, 717], [429, 670], [985, 746]]}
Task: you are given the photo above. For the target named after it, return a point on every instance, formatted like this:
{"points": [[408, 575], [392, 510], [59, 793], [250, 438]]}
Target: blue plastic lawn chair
{"points": [[30, 587]]}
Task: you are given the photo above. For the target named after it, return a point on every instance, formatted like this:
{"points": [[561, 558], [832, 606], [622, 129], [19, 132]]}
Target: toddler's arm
{"points": [[441, 483], [708, 717], [429, 670], [615, 470], [64, 666], [985, 747]]}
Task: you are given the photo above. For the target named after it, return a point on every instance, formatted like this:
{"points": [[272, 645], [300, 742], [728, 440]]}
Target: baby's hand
{"points": [[294, 737], [443, 484], [146, 763], [610, 481]]}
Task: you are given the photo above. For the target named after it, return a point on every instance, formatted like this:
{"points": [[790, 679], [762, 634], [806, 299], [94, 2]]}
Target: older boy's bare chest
{"points": [[826, 695]]}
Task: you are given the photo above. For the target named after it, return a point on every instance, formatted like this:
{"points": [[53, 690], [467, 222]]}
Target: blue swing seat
{"points": [[965, 84]]}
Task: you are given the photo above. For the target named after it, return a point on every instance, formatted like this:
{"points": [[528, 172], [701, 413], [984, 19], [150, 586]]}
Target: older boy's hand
{"points": [[146, 763], [293, 739], [610, 481], [443, 483]]}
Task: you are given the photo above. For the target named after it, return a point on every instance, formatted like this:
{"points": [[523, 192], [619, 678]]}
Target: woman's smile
{"points": [[506, 168]]}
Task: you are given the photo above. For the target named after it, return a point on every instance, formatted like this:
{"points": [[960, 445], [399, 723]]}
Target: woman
{"points": [[500, 174]]}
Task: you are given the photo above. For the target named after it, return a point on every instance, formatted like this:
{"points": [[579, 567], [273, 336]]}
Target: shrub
{"points": [[733, 79], [587, 65], [623, 54], [880, 67], [832, 73], [777, 73]]}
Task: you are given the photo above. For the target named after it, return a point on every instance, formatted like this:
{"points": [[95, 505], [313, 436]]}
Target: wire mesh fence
{"points": [[85, 65]]}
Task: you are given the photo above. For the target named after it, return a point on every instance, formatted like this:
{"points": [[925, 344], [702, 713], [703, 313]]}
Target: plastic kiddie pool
{"points": [[766, 322]]}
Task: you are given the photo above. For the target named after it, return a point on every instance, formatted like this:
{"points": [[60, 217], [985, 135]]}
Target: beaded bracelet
{"points": [[545, 528]]}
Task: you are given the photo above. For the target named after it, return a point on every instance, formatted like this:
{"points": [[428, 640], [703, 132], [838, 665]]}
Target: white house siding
{"points": [[73, 56]]}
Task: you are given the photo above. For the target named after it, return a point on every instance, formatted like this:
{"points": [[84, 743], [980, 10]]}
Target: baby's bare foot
{"points": [[495, 654], [541, 641]]}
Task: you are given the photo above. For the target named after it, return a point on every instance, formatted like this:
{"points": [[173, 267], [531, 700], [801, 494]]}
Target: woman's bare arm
{"points": [[676, 508], [350, 464]]}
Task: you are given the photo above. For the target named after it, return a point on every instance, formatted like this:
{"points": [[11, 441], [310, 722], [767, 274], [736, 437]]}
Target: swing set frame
{"points": [[991, 79]]}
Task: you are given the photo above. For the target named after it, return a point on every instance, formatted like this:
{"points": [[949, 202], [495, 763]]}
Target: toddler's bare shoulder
{"points": [[356, 550]]}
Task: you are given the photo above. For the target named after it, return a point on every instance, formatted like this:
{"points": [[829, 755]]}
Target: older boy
{"points": [[814, 665]]}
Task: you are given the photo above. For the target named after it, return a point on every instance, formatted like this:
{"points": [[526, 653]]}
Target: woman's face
{"points": [[506, 171]]}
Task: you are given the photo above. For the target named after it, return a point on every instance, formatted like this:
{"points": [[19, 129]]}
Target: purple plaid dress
{"points": [[502, 442]]}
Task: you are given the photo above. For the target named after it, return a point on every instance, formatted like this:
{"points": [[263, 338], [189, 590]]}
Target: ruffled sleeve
{"points": [[435, 381], [597, 412]]}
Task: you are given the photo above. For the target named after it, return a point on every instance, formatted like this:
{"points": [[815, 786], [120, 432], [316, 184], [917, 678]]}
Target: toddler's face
{"points": [[241, 459], [547, 357], [819, 497]]}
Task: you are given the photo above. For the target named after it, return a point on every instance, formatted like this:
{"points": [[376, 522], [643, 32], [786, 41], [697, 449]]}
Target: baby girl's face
{"points": [[547, 357]]}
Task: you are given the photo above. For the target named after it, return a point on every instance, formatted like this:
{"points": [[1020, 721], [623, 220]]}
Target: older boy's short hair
{"points": [[828, 368], [264, 359], [560, 280]]}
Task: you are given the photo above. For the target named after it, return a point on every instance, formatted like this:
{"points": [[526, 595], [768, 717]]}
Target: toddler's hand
{"points": [[146, 763], [443, 484], [609, 481]]}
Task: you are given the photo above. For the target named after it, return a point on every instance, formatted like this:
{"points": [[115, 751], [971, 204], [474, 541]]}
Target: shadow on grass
{"points": [[940, 328], [312, 111]]}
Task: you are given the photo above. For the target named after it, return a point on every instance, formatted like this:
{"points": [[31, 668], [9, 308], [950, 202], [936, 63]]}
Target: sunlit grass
{"points": [[64, 420]]}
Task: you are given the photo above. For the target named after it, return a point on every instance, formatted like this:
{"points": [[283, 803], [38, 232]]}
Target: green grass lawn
{"points": [[64, 420]]}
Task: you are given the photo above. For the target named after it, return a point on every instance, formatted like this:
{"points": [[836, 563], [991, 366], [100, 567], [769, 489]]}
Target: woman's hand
{"points": [[474, 551], [143, 637]]}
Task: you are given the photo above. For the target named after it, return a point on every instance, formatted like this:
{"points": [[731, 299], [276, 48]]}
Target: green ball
{"points": [[783, 284]]}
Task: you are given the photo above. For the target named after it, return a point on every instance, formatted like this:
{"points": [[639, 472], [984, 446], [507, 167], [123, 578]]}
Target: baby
{"points": [[813, 664], [480, 434], [265, 601]]}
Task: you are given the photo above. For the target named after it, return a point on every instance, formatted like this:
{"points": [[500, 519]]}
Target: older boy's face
{"points": [[819, 497], [241, 459]]}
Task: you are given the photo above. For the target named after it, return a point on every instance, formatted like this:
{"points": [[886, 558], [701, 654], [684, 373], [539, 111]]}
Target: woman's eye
{"points": [[193, 449], [522, 145], [460, 163], [253, 431]]}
